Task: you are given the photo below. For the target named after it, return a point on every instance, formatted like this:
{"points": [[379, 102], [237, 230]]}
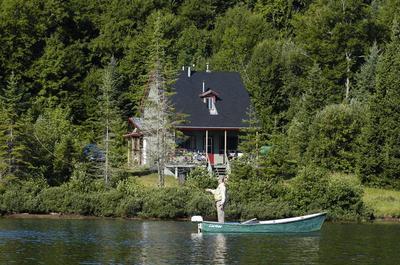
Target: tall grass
{"points": [[384, 203]]}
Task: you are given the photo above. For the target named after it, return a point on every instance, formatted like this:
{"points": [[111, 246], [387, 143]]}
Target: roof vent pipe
{"points": [[183, 68], [189, 72], [204, 90], [208, 69]]}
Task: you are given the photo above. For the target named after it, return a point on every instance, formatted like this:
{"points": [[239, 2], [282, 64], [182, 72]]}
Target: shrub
{"points": [[129, 206], [52, 200], [344, 197], [333, 137], [308, 189], [256, 197], [200, 204], [316, 189], [199, 178], [109, 202], [165, 203], [22, 196], [81, 203]]}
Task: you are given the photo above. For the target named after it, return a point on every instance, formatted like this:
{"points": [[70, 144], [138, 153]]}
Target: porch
{"points": [[214, 154], [192, 150]]}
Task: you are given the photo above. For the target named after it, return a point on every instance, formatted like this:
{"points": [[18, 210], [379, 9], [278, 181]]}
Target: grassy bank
{"points": [[384, 203], [151, 181]]}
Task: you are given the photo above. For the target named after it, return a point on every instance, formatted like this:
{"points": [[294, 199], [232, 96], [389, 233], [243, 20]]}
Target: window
{"points": [[210, 103]]}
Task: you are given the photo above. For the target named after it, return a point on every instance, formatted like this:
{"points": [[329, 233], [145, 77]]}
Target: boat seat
{"points": [[249, 221]]}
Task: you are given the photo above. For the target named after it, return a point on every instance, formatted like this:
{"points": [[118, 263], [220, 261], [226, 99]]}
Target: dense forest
{"points": [[323, 76]]}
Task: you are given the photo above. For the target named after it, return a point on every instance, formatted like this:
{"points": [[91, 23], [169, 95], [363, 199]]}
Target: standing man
{"points": [[220, 198]]}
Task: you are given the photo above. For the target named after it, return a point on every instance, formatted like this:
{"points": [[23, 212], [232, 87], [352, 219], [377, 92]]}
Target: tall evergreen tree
{"points": [[334, 34], [365, 78], [252, 138], [379, 159], [11, 130], [314, 98], [158, 113], [234, 38], [273, 80], [53, 145], [110, 121]]}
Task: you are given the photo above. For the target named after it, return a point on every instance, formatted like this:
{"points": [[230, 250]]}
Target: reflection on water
{"points": [[215, 243], [155, 242], [220, 249]]}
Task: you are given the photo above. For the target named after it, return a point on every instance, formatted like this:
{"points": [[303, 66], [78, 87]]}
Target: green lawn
{"points": [[151, 181], [384, 203]]}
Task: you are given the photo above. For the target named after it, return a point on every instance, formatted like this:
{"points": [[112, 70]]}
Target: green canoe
{"points": [[301, 224]]}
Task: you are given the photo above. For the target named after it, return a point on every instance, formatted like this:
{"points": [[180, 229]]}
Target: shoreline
{"points": [[88, 217], [62, 216]]}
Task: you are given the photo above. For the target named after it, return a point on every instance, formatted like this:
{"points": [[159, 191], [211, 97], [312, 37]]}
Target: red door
{"points": [[210, 152]]}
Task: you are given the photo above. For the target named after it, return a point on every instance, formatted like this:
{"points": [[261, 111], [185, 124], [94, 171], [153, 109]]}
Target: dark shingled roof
{"points": [[232, 104]]}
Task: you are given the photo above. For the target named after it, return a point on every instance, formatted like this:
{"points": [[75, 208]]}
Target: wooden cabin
{"points": [[215, 105]]}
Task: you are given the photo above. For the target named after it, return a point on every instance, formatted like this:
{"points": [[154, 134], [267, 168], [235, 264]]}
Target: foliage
{"points": [[200, 178], [297, 58], [365, 78], [110, 123], [13, 148], [316, 189], [333, 136], [379, 157], [334, 35], [159, 117], [54, 144], [235, 36], [273, 80]]}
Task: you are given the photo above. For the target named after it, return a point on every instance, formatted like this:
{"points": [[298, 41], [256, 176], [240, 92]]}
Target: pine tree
{"points": [[253, 138], [315, 96], [53, 145], [110, 121], [333, 34], [379, 158], [365, 78], [11, 133], [159, 117]]}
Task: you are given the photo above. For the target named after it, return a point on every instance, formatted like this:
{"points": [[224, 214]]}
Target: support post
{"points": [[225, 144], [206, 151]]}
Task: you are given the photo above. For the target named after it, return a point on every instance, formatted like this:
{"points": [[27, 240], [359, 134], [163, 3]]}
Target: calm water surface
{"points": [[33, 241]]}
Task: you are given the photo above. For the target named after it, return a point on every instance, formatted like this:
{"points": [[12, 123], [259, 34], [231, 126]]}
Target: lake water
{"points": [[105, 241]]}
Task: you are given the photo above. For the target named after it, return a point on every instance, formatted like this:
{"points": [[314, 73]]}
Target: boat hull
{"points": [[302, 224]]}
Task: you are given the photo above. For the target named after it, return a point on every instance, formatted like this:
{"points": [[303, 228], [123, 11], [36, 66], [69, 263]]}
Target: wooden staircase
{"points": [[220, 170]]}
